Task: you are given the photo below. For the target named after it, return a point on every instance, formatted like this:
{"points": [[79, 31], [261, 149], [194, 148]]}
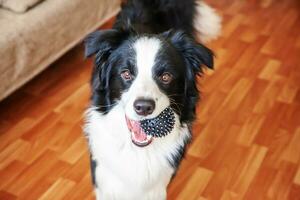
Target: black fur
{"points": [[176, 158], [93, 165], [157, 16], [195, 56]]}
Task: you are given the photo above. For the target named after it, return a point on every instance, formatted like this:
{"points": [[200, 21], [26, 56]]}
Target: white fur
{"points": [[144, 85], [207, 22], [125, 171]]}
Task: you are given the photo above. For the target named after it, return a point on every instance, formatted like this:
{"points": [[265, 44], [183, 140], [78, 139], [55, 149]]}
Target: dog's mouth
{"points": [[138, 136], [142, 132]]}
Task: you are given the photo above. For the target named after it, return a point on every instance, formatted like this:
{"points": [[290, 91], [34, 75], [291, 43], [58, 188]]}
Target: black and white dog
{"points": [[145, 70]]}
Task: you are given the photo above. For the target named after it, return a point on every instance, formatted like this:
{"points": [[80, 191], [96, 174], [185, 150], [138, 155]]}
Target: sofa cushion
{"points": [[31, 41], [19, 6]]}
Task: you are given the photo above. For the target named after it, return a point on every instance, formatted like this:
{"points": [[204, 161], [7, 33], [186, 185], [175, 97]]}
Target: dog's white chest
{"points": [[132, 177], [125, 171]]}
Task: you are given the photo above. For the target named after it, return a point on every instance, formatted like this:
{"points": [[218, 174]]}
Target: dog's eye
{"points": [[126, 75], [166, 78]]}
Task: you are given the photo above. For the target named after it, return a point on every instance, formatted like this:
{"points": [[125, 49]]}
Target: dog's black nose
{"points": [[144, 106]]}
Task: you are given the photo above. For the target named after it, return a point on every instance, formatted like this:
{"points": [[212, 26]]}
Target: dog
{"points": [[144, 94]]}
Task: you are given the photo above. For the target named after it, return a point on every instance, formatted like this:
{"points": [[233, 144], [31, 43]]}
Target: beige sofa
{"points": [[31, 40]]}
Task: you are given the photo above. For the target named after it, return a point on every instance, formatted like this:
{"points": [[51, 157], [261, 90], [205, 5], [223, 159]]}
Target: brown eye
{"points": [[166, 78], [126, 75]]}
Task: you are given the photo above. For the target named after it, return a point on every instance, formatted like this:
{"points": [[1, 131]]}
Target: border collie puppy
{"points": [[145, 73]]}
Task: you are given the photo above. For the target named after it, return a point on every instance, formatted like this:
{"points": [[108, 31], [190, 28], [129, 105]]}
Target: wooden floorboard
{"points": [[246, 137]]}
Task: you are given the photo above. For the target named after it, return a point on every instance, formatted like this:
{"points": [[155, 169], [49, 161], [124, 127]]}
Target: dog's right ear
{"points": [[102, 43], [195, 54]]}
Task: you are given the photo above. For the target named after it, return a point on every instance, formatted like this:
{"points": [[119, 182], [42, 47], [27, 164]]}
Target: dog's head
{"points": [[146, 74]]}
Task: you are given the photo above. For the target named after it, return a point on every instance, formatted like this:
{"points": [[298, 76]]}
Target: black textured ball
{"points": [[161, 125]]}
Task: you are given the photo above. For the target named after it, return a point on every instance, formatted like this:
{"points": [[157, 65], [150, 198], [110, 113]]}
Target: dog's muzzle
{"points": [[142, 132]]}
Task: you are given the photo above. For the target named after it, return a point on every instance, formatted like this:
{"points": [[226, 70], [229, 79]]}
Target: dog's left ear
{"points": [[195, 54], [103, 42]]}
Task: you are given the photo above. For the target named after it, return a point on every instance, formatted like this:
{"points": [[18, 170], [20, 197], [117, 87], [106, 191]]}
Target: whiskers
{"points": [[105, 106], [173, 102]]}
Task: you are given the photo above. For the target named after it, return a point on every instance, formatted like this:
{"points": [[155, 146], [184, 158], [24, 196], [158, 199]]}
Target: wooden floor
{"points": [[246, 139]]}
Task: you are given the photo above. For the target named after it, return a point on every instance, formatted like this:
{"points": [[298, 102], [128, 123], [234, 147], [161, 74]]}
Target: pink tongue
{"points": [[138, 132]]}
